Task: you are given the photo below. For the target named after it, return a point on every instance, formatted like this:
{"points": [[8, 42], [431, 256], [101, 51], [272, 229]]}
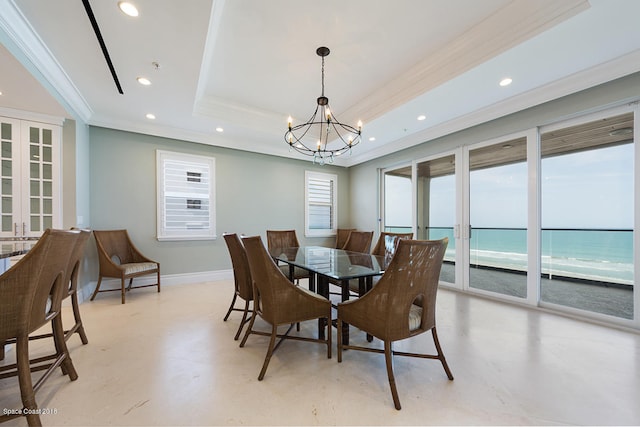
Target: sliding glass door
{"points": [[497, 249], [397, 200], [544, 217], [587, 173], [436, 207]]}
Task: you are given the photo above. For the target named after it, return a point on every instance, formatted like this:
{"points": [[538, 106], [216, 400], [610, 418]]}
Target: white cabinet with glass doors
{"points": [[30, 170]]}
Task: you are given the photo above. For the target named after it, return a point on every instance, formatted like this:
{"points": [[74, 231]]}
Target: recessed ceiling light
{"points": [[0, 92], [373, 138], [144, 81], [151, 116], [622, 131], [506, 81], [219, 129], [128, 8], [422, 117]]}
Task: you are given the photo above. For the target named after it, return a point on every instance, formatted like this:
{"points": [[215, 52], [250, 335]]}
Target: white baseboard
{"points": [[165, 280]]}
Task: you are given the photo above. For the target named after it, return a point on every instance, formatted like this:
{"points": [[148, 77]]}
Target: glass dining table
{"points": [[335, 265]]}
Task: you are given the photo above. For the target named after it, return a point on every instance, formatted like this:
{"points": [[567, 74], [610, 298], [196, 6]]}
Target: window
{"points": [[321, 204], [186, 197]]}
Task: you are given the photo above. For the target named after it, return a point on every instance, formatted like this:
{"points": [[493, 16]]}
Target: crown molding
{"points": [[472, 48], [617, 68], [25, 44]]}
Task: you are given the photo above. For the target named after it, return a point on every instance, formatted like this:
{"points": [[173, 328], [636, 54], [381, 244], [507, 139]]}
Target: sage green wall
{"points": [[253, 193], [364, 190]]}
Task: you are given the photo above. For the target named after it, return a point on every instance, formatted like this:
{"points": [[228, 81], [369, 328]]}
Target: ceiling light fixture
{"points": [[151, 116], [128, 8], [334, 138], [506, 81], [144, 81], [373, 138], [621, 131], [421, 117], [219, 129]]}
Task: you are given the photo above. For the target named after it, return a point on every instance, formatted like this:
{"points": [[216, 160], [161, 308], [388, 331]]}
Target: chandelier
{"points": [[333, 138]]}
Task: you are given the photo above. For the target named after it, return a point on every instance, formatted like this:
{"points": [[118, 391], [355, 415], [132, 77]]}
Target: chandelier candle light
{"points": [[334, 138]]}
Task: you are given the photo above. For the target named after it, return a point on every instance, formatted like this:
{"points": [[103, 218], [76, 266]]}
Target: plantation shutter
{"points": [[320, 204], [185, 199]]}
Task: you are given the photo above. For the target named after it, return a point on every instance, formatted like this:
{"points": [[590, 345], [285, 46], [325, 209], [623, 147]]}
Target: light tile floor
{"points": [[169, 359]]}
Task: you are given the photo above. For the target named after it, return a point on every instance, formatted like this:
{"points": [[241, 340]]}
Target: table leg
{"points": [[367, 284], [345, 325], [323, 289], [312, 281]]}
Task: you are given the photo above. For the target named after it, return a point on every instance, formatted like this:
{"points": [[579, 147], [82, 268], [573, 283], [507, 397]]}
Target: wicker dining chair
{"points": [[401, 305], [73, 272], [279, 302], [342, 234], [385, 247], [31, 295], [387, 244], [359, 241], [286, 239], [119, 258], [243, 285]]}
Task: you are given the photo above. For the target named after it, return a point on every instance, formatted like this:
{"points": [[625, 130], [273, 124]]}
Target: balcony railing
{"points": [[594, 255]]}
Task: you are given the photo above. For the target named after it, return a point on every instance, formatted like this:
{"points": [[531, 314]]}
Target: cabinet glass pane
{"points": [[34, 152], [35, 223], [6, 149], [46, 189], [34, 135], [47, 207], [35, 188], [6, 186], [46, 154], [35, 170], [47, 222], [46, 172], [7, 205], [7, 222], [7, 169], [5, 131], [46, 136], [35, 206]]}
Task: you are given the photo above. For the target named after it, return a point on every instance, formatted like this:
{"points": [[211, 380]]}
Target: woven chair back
{"points": [[410, 279], [240, 264], [359, 241], [31, 291], [73, 270], [342, 234], [115, 244], [282, 239]]}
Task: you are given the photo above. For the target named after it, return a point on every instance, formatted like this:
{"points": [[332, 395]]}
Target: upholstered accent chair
{"points": [[119, 258]]}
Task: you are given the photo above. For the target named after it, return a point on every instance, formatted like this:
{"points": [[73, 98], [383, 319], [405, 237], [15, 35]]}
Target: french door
{"points": [[546, 216]]}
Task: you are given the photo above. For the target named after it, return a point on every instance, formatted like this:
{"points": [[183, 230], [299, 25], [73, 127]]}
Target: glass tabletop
{"points": [[334, 263]]}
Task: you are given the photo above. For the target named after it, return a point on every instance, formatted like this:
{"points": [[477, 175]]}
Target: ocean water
{"points": [[601, 255]]}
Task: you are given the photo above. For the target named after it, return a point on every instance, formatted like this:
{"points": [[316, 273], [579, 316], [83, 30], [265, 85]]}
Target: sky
{"points": [[591, 190]]}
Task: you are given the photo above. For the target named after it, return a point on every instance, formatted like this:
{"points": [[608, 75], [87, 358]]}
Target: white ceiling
{"points": [[246, 65]]}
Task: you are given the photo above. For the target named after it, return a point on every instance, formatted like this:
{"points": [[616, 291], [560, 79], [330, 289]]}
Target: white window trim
{"points": [[163, 234], [334, 221]]}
